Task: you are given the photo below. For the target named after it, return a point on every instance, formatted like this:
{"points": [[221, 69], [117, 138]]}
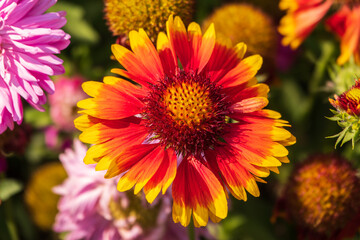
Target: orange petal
{"points": [[201, 46], [224, 58], [206, 197], [243, 72], [128, 158], [166, 54], [140, 173], [133, 65], [109, 102], [298, 23], [258, 90], [249, 105], [163, 177], [178, 38], [85, 121], [346, 24], [146, 53]]}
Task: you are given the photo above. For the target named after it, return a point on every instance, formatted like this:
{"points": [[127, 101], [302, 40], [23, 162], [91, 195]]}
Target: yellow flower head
{"points": [[122, 16], [241, 22], [39, 198], [322, 195]]}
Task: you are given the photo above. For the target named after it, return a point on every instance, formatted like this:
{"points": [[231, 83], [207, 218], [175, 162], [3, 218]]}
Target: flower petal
{"points": [[128, 158], [146, 53], [166, 54], [143, 170], [243, 72], [163, 177], [178, 38], [204, 197], [123, 104]]}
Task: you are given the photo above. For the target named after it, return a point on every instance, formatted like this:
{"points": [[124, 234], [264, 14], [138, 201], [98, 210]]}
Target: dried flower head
{"points": [[322, 197]]}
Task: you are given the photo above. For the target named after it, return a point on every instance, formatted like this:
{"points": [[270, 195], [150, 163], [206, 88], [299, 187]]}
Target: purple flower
{"points": [[91, 207], [29, 38]]}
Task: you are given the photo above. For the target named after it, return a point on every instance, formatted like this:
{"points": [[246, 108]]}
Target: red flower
{"points": [[197, 123], [303, 16]]}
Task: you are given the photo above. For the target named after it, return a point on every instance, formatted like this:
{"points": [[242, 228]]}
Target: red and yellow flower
{"points": [[345, 23], [189, 113], [347, 114], [301, 19], [303, 16], [348, 101]]}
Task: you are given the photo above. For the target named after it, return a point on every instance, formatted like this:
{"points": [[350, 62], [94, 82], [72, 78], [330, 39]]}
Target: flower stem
{"points": [[191, 231]]}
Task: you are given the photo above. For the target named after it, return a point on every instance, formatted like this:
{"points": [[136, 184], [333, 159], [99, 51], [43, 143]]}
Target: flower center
{"points": [[186, 112], [188, 103]]}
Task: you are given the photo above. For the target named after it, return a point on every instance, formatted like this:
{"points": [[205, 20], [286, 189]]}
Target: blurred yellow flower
{"points": [[41, 201], [242, 22]]}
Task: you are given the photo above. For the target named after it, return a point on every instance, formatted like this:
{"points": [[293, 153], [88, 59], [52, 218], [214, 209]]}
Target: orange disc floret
{"points": [[322, 196], [192, 116]]}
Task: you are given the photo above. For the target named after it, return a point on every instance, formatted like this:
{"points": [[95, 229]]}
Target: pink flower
{"points": [[29, 38], [63, 102], [92, 208]]}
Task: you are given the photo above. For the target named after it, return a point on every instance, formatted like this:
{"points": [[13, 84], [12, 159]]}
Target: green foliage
{"points": [[8, 188], [76, 26], [350, 125]]}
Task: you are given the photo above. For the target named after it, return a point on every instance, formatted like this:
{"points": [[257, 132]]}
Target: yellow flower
{"points": [[122, 16], [241, 22], [39, 198]]}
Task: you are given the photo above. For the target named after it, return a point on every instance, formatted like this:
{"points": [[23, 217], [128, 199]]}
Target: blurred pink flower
{"points": [[92, 208], [63, 102], [29, 38], [51, 137]]}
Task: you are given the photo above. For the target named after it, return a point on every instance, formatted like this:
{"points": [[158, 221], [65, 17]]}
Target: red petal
{"points": [[197, 189], [163, 177]]}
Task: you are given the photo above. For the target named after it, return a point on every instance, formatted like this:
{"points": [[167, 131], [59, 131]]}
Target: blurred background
{"points": [[301, 81]]}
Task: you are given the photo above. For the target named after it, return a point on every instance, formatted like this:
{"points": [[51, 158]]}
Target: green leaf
{"points": [[334, 118], [36, 118], [334, 111], [334, 136], [9, 187], [76, 25], [340, 135], [348, 136]]}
